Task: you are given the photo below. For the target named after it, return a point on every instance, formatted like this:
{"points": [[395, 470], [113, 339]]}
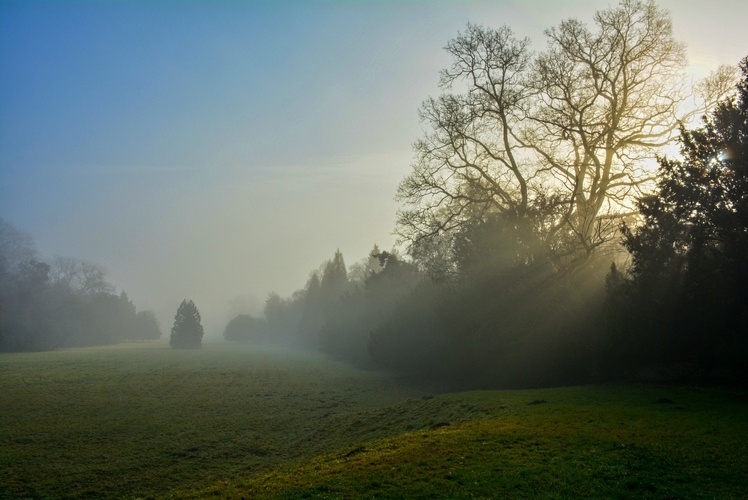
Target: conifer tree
{"points": [[334, 280], [187, 332]]}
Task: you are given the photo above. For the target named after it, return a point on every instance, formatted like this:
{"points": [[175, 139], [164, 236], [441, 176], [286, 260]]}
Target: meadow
{"points": [[145, 421]]}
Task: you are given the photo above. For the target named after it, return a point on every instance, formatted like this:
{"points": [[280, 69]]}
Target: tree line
{"points": [[544, 244], [63, 303]]}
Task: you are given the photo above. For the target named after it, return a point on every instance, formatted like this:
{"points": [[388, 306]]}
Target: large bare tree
{"points": [[82, 278], [564, 138]]}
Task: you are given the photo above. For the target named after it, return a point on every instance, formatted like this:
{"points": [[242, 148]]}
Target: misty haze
{"points": [[373, 249]]}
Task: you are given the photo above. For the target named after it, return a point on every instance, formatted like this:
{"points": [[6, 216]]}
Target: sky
{"points": [[221, 150]]}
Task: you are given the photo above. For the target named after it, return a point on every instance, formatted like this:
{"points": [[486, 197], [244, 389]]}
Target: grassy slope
{"points": [[584, 442], [144, 420]]}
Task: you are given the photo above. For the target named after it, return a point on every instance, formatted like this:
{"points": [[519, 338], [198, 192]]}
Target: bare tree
{"points": [[562, 138], [16, 246], [83, 278]]}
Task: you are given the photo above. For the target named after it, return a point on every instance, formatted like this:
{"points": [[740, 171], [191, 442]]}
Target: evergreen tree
{"points": [[334, 279], [187, 332], [312, 318], [686, 300]]}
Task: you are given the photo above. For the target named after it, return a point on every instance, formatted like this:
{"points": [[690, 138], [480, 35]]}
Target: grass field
{"points": [[143, 420]]}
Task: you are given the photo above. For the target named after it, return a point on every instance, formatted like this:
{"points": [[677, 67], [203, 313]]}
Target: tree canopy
{"points": [[246, 328]]}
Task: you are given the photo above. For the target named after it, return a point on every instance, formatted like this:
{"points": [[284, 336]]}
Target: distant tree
{"points": [[312, 317], [359, 272], [334, 279], [115, 318], [351, 319], [187, 332], [16, 246], [246, 328], [334, 285], [23, 293], [147, 327], [23, 283], [83, 278], [67, 304], [686, 300], [274, 308], [507, 322], [283, 316]]}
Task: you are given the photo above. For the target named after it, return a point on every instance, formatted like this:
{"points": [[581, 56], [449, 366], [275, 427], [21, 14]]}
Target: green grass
{"points": [[146, 421], [142, 419], [584, 442]]}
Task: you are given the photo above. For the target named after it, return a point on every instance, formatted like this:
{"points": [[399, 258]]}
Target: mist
{"points": [[373, 249], [223, 151]]}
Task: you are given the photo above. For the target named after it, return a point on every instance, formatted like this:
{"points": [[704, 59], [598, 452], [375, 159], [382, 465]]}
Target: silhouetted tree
{"points": [[561, 134], [187, 332], [686, 301]]}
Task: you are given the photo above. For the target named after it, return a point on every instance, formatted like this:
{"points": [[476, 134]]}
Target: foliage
{"points": [[528, 168], [66, 304], [313, 316], [333, 286], [685, 302], [348, 329], [246, 328], [334, 280], [23, 297], [147, 326], [187, 332], [283, 317], [505, 318]]}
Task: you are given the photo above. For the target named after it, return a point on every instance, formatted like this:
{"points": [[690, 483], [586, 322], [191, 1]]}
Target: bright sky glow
{"points": [[221, 150]]}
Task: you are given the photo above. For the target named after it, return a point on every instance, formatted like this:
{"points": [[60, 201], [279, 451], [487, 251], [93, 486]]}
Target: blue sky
{"points": [[221, 150]]}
